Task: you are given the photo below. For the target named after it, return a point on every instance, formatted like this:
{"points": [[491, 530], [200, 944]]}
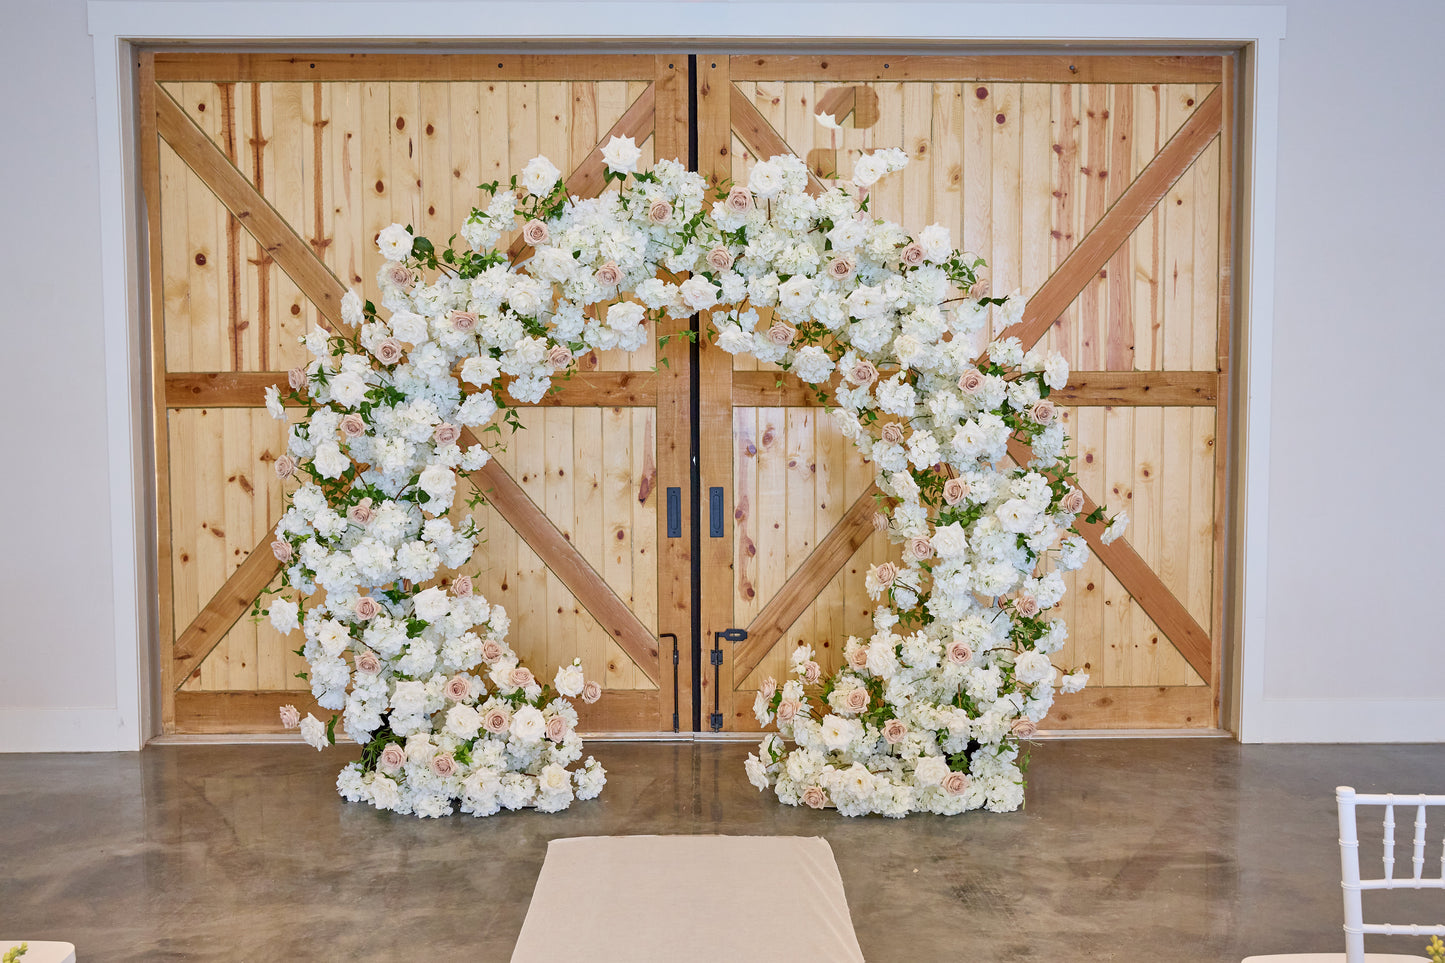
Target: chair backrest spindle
{"points": [[1419, 858], [1390, 838]]}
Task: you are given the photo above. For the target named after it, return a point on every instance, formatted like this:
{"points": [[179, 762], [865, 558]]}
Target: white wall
{"points": [[1348, 650]]}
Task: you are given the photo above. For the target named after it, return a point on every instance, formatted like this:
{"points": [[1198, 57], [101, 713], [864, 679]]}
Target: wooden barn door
{"points": [[1098, 185], [267, 177]]}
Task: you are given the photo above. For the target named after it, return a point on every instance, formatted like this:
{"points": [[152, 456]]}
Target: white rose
{"points": [[626, 315], [348, 388], [697, 293], [765, 179], [313, 730], [621, 155], [1074, 682], [409, 326], [936, 243], [1031, 668], [431, 604], [930, 771], [395, 242], [284, 616], [868, 169], [540, 176], [528, 724], [569, 680], [329, 460]]}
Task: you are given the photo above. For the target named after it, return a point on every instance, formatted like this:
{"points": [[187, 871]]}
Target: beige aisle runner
{"points": [[694, 898]]}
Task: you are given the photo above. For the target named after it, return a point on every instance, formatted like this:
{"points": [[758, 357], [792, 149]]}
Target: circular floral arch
{"points": [[926, 714]]}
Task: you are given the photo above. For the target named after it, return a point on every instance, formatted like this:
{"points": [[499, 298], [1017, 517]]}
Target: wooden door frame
{"points": [[120, 28]]}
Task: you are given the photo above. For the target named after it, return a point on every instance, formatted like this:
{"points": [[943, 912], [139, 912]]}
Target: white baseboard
{"points": [[65, 730], [1345, 720]]}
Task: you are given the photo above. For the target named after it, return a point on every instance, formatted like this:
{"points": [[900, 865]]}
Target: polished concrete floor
{"points": [[1127, 850]]}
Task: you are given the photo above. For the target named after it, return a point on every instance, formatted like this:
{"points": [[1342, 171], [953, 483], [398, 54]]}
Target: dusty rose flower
{"points": [[1026, 605], [955, 784], [719, 258], [863, 373], [591, 692], [886, 573], [535, 232], [290, 718], [880, 522], [446, 433], [556, 728], [894, 730], [1025, 729], [980, 289], [282, 550], [285, 466], [353, 425], [392, 757], [1073, 501], [367, 663], [858, 658], [361, 512], [780, 333], [739, 200], [841, 268], [920, 547], [660, 212], [296, 378], [955, 490], [398, 274], [787, 709], [1044, 412], [559, 357], [857, 699], [608, 275], [496, 721], [389, 351], [812, 672], [521, 677], [491, 652], [462, 586], [365, 608], [912, 254], [443, 764], [971, 382], [458, 688], [959, 653], [768, 687], [463, 320], [893, 433], [814, 797]]}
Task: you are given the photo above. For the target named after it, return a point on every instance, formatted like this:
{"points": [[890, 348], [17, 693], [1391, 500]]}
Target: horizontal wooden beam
{"points": [[778, 389], [758, 134], [803, 586], [225, 608], [1088, 258], [330, 66], [259, 711], [247, 389], [1012, 68], [1133, 707]]}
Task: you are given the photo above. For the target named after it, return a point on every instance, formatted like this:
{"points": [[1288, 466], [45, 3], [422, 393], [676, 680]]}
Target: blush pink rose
{"points": [[591, 692], [858, 658], [955, 784], [491, 652], [739, 200], [814, 797], [787, 709], [660, 212], [768, 687], [812, 672], [559, 357], [282, 550], [285, 466], [959, 653], [971, 382], [920, 547], [780, 333], [458, 688], [446, 433], [392, 758], [863, 373], [463, 320], [389, 351], [368, 664], [841, 268], [955, 490], [353, 425], [521, 677], [1073, 501], [398, 275], [719, 258], [1026, 605], [912, 254], [880, 522], [496, 721], [608, 275], [535, 232], [296, 378], [443, 764], [462, 586], [365, 608], [556, 728], [894, 730], [361, 512], [1025, 729], [1044, 412], [856, 700], [886, 573], [893, 433], [290, 718]]}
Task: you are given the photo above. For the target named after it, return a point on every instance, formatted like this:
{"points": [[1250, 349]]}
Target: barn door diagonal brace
{"points": [[731, 635]]}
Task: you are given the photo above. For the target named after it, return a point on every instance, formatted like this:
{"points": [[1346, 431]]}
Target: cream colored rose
{"points": [[959, 653], [392, 758], [535, 232], [458, 688], [353, 425], [1044, 412], [920, 547], [894, 730], [591, 692], [282, 550], [719, 258], [296, 378], [856, 700], [812, 672], [1073, 501], [787, 709], [912, 254], [1026, 605], [740, 200], [285, 466], [559, 357], [842, 268], [462, 320], [365, 608], [893, 433], [290, 718], [780, 333], [389, 351], [556, 728], [462, 586], [521, 677], [814, 797], [660, 212], [955, 490], [955, 783], [446, 433], [971, 382], [1025, 729], [443, 764], [367, 663], [496, 721], [491, 652], [609, 275]]}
